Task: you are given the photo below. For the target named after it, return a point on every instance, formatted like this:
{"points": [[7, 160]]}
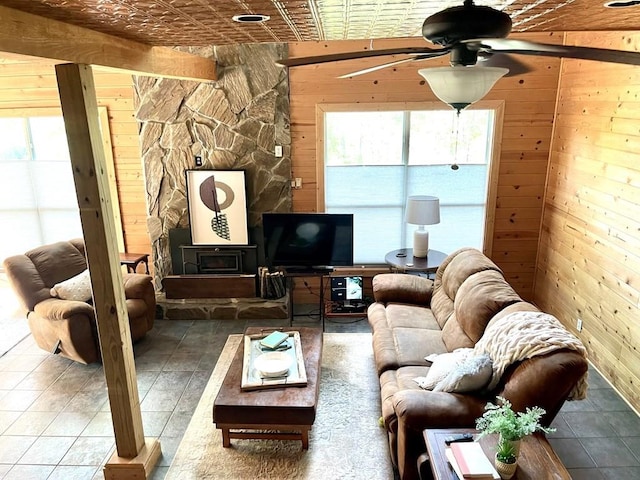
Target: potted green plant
{"points": [[512, 427], [506, 459]]}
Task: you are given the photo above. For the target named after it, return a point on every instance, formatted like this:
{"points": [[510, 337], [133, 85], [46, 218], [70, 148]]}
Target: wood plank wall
{"points": [[529, 109], [589, 256], [28, 83]]}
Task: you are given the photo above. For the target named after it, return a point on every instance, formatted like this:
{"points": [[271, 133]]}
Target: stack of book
{"points": [[272, 284], [469, 461]]}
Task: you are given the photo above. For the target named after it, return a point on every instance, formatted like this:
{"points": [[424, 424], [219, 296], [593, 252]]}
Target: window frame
{"points": [[492, 168], [53, 111]]}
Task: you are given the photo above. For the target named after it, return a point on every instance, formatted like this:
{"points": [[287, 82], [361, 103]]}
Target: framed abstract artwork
{"points": [[217, 204]]}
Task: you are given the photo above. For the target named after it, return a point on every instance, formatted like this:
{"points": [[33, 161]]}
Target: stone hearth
{"points": [[221, 308], [233, 123]]}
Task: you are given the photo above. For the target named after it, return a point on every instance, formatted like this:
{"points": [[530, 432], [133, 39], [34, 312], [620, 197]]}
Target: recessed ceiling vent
{"points": [[251, 18], [622, 3]]}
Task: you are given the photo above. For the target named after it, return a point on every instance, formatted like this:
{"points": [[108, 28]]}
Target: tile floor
{"points": [[55, 420]]}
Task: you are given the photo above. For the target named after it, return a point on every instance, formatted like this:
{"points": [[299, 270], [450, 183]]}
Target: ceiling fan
{"points": [[470, 33]]}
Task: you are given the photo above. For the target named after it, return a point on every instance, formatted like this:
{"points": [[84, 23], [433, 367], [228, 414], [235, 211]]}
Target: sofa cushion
{"points": [[76, 288], [441, 306], [57, 262], [410, 316], [464, 264], [397, 347], [413, 344], [397, 340], [454, 336], [479, 298], [514, 307], [402, 288], [453, 271]]}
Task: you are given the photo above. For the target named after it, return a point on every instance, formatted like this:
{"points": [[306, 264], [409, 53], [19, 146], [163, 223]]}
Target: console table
{"points": [[537, 460]]}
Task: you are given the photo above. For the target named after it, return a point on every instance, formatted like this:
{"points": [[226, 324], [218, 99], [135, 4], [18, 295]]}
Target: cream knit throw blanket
{"points": [[523, 335]]}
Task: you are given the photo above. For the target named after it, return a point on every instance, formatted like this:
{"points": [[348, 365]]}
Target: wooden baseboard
{"points": [[209, 286], [137, 468]]}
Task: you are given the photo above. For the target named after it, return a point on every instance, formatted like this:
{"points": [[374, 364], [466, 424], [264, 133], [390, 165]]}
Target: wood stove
{"points": [[204, 260]]}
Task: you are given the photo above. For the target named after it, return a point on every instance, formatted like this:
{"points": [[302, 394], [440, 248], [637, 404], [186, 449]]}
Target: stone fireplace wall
{"points": [[233, 124]]}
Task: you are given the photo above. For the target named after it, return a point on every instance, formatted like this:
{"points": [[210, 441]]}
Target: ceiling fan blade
{"points": [[506, 45], [436, 53], [335, 57], [516, 67]]}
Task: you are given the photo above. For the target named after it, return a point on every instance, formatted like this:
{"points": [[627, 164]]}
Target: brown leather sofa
{"points": [[68, 327], [413, 317]]}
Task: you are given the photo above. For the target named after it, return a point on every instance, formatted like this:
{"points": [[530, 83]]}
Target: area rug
{"points": [[345, 442]]}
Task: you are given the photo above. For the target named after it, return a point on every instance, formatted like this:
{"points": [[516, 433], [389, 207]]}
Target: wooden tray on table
{"points": [[291, 349]]}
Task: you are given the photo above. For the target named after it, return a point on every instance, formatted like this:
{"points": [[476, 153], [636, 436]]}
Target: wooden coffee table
{"points": [[285, 413], [537, 460]]}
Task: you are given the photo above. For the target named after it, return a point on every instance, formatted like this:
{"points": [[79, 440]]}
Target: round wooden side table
{"points": [[402, 260]]}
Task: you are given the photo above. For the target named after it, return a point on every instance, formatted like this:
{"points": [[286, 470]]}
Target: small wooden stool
{"points": [[131, 260]]}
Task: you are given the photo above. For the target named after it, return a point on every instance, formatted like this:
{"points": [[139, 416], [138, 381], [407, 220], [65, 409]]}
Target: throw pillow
{"points": [[469, 376], [75, 288], [442, 365]]}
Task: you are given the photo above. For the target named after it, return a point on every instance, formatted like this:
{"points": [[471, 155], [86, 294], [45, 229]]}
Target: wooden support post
{"points": [[80, 112]]}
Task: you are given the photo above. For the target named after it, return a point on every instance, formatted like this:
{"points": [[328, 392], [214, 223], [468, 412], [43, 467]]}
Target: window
{"points": [[38, 202], [374, 160]]}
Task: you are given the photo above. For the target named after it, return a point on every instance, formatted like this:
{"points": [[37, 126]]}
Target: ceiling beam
{"points": [[27, 34]]}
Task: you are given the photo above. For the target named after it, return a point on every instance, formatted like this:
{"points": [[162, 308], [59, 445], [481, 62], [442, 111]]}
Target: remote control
{"points": [[463, 437]]}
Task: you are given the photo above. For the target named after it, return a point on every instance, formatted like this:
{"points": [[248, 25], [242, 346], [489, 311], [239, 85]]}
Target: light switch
{"points": [[278, 151]]}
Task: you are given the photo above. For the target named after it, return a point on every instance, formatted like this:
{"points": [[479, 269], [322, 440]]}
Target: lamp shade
{"points": [[423, 210], [461, 86]]}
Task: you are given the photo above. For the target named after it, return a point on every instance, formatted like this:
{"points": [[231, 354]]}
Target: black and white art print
{"points": [[217, 207]]}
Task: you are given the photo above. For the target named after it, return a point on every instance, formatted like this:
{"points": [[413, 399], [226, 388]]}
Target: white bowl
{"points": [[273, 364]]}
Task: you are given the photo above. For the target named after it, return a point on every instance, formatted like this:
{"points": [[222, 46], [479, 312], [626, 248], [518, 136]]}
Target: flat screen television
{"points": [[308, 240]]}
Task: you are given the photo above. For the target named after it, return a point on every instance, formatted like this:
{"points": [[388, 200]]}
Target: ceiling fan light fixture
{"points": [[622, 3], [251, 18], [461, 86]]}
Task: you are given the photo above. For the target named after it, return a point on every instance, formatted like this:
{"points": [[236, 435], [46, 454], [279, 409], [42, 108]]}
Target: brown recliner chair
{"points": [[68, 327]]}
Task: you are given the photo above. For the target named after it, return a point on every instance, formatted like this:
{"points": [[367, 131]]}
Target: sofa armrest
{"points": [[402, 288], [418, 410], [545, 381], [138, 290], [136, 285], [58, 309]]}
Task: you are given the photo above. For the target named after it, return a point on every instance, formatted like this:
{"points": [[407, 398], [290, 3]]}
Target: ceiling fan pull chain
{"points": [[455, 131], [468, 139]]}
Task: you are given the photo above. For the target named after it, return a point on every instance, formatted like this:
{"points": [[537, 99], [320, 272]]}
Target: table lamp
{"points": [[422, 210]]}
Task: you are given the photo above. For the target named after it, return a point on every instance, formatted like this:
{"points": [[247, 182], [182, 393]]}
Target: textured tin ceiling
{"points": [[209, 22]]}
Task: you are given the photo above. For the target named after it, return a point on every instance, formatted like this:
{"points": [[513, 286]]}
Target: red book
{"points": [[472, 460]]}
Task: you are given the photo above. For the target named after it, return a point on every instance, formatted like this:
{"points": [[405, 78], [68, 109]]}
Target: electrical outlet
{"points": [[198, 161], [278, 151], [579, 324]]}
